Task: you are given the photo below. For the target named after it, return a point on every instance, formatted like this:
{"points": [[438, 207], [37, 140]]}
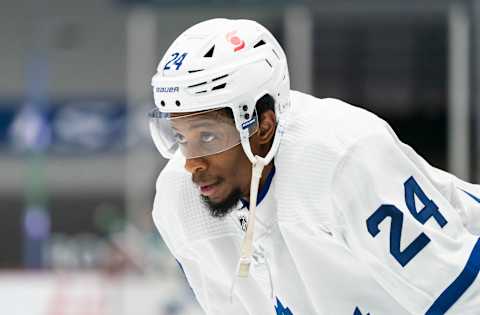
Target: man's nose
{"points": [[194, 165]]}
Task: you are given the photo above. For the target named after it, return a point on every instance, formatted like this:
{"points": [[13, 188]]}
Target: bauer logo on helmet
{"points": [[167, 89]]}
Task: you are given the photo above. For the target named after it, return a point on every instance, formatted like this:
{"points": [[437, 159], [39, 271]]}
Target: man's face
{"points": [[222, 178]]}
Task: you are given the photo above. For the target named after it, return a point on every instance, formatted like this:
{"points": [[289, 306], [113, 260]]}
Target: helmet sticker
{"points": [[235, 40], [177, 60], [248, 123]]}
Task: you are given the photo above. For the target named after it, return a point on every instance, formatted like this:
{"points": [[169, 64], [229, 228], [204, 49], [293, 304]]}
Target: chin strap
{"points": [[258, 164], [246, 251], [247, 244]]}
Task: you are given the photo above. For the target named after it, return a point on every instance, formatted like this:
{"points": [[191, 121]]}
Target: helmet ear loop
{"points": [[245, 141]]}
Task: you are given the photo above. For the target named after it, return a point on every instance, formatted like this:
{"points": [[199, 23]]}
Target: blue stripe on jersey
{"points": [[281, 310], [473, 196], [357, 312], [459, 286], [263, 190]]}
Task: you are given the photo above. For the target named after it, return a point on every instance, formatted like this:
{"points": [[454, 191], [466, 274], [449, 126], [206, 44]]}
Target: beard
{"points": [[221, 208]]}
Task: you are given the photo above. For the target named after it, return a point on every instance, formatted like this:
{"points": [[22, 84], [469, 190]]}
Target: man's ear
{"points": [[266, 128]]}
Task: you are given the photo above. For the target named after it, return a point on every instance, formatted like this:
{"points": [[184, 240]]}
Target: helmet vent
{"points": [[209, 53], [200, 92], [260, 43], [269, 63], [220, 77], [218, 87], [276, 54], [198, 84], [192, 71]]}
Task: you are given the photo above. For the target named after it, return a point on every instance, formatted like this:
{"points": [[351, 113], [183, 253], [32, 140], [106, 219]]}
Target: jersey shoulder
{"points": [[318, 134], [334, 121]]}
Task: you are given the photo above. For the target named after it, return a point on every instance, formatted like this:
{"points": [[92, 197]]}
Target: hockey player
{"points": [[276, 202]]}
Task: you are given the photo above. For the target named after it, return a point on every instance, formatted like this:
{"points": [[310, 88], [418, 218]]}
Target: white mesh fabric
{"points": [[303, 152], [313, 148]]}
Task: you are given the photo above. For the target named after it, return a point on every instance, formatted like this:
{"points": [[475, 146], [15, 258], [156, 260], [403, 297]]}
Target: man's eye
{"points": [[180, 138], [208, 137]]}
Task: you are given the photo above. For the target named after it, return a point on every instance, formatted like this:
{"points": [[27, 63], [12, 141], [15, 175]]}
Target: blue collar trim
{"points": [[263, 190]]}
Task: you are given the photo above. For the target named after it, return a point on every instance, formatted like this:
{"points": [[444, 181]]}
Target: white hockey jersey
{"points": [[353, 222]]}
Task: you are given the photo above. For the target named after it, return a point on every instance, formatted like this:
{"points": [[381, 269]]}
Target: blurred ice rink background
{"points": [[77, 166]]}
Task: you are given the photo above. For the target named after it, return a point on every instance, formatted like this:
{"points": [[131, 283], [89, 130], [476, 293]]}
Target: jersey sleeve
{"points": [[395, 217], [464, 196]]}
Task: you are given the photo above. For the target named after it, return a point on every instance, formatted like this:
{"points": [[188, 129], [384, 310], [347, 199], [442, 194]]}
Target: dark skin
{"points": [[230, 172]]}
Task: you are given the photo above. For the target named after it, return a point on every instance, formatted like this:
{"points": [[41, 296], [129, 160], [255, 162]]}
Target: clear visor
{"points": [[198, 134]]}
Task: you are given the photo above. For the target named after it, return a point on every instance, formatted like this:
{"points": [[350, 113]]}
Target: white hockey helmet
{"points": [[216, 64]]}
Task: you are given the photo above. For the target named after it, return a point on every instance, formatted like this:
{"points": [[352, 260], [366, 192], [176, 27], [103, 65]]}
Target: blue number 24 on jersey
{"points": [[430, 210]]}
